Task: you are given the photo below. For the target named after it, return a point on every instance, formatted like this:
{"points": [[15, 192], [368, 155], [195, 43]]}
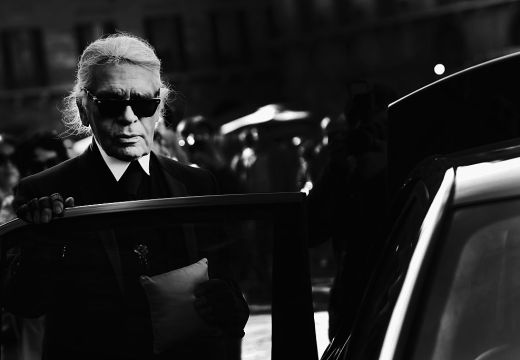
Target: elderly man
{"points": [[118, 96]]}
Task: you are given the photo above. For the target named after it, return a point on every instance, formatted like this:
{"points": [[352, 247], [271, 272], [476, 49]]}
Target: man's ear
{"points": [[82, 112]]}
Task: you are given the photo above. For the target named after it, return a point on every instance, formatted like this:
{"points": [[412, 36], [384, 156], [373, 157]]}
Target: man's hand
{"points": [[44, 209], [219, 304]]}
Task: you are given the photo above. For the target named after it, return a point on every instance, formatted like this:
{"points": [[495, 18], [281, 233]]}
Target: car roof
{"points": [[489, 172], [470, 108], [484, 173], [486, 181]]}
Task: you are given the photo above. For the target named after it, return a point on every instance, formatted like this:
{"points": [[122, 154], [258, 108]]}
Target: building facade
{"points": [[228, 55]]}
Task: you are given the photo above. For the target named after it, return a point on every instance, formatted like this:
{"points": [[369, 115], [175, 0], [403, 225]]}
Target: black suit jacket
{"points": [[83, 178], [88, 313]]}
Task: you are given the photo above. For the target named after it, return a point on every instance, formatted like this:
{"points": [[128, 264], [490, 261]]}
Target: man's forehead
{"points": [[124, 79]]}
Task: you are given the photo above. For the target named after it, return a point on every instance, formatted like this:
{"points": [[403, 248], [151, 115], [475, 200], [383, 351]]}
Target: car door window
{"points": [[259, 240], [369, 330], [470, 308]]}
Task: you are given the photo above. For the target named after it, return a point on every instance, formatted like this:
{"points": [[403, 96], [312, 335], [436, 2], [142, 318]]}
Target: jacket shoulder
{"points": [[197, 180], [55, 179], [54, 174]]}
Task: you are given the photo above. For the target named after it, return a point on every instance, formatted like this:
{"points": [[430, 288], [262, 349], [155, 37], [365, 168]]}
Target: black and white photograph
{"points": [[259, 180]]}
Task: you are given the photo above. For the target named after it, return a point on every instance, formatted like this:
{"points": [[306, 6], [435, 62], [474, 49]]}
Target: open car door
{"points": [[264, 236]]}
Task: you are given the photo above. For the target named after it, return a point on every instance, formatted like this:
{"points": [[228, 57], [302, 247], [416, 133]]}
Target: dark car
{"points": [[447, 282]]}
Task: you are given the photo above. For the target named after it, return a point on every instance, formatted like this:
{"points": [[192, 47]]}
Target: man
{"points": [[352, 189], [99, 312]]}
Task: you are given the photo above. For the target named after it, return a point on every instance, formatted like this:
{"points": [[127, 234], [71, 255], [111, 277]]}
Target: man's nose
{"points": [[128, 115]]}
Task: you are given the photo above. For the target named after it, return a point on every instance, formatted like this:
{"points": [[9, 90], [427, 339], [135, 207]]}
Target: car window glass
{"points": [[248, 245], [471, 309], [368, 333]]}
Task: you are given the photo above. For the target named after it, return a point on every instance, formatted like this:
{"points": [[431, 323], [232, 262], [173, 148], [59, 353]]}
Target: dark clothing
{"points": [[91, 312], [88, 179], [348, 205]]}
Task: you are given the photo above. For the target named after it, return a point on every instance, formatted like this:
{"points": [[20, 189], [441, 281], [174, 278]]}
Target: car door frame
{"points": [[293, 331]]}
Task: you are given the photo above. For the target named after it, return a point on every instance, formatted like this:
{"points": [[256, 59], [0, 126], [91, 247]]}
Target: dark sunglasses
{"points": [[116, 107]]}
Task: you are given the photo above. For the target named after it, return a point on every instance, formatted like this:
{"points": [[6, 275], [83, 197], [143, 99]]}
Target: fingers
{"points": [[205, 310], [34, 211], [43, 210], [24, 212], [212, 288], [57, 203], [69, 202], [218, 304]]}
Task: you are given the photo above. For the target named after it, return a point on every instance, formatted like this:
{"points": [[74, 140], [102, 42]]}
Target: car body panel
{"points": [[429, 226]]}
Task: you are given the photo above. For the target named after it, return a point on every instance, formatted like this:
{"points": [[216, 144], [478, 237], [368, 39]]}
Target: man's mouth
{"points": [[128, 138]]}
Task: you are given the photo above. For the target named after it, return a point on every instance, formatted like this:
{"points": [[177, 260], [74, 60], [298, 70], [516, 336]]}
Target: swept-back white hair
{"points": [[119, 48]]}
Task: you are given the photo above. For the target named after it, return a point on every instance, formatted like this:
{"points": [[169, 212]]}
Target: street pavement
{"points": [[256, 344]]}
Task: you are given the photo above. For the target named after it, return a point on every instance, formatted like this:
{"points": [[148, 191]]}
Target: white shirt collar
{"points": [[118, 167]]}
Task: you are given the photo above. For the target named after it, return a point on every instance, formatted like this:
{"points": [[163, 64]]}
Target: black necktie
{"points": [[131, 179]]}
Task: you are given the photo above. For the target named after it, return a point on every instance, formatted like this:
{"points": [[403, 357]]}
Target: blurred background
{"points": [[230, 57]]}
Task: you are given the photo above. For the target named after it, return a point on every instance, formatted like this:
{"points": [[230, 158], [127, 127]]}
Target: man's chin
{"points": [[128, 154]]}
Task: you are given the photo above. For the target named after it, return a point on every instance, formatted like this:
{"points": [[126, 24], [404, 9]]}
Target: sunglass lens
{"points": [[111, 108], [144, 108], [141, 108]]}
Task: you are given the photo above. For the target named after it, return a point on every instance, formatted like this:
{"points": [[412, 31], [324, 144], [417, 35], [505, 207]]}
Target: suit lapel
{"points": [[97, 177]]}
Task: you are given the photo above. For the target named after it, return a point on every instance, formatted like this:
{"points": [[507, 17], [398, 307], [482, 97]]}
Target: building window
{"points": [[24, 62], [167, 36], [230, 38], [87, 33]]}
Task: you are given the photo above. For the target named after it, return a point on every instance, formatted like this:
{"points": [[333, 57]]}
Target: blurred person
{"points": [[8, 145], [118, 96], [9, 177], [198, 138], [263, 166], [41, 152], [25, 335], [166, 138], [311, 157], [283, 163], [166, 143], [244, 163], [266, 164], [348, 202]]}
